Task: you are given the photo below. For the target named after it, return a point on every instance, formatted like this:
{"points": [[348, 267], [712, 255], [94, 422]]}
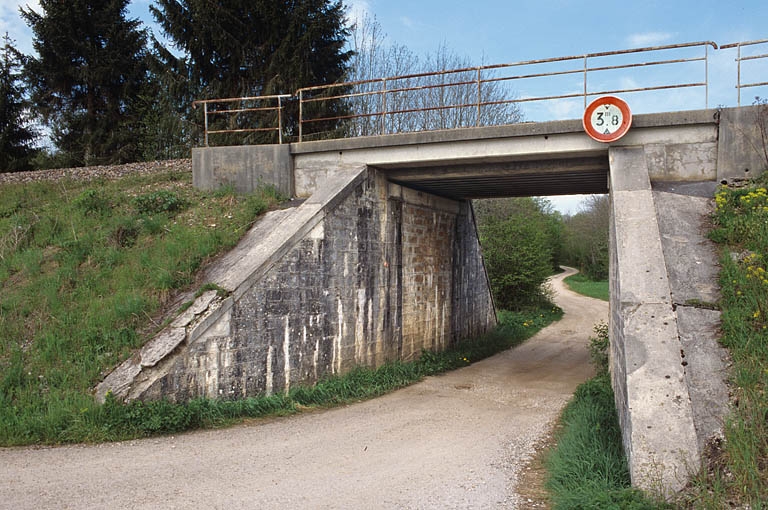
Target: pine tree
{"points": [[88, 73], [257, 47], [16, 137]]}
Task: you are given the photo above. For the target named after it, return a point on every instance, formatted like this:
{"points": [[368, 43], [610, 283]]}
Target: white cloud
{"points": [[11, 22], [561, 109], [357, 10], [649, 39], [407, 22]]}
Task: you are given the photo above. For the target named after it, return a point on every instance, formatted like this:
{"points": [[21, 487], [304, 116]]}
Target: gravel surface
{"points": [[98, 172], [460, 440]]}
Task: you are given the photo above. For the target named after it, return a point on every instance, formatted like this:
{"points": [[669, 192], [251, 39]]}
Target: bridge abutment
{"points": [[668, 372], [362, 273]]}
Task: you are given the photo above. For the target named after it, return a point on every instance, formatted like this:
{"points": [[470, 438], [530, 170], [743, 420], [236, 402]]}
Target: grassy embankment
{"points": [[84, 270], [737, 471]]}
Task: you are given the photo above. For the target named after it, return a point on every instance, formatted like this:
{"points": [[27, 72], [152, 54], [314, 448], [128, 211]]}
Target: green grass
{"points": [[587, 468], [84, 267], [737, 474], [583, 285], [117, 421]]}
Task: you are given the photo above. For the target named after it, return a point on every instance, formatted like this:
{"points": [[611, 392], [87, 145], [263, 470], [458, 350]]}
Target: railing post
{"points": [[205, 122], [585, 82], [383, 124], [706, 76], [479, 95], [738, 75], [279, 120], [301, 114]]}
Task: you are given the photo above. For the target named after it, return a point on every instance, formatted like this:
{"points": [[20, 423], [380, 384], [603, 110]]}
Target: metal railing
{"points": [[739, 59], [482, 76], [377, 106], [232, 114]]}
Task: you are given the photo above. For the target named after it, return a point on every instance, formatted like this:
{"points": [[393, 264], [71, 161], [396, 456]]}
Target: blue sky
{"points": [[504, 31]]}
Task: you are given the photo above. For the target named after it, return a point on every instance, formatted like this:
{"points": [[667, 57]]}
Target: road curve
{"points": [[453, 441]]}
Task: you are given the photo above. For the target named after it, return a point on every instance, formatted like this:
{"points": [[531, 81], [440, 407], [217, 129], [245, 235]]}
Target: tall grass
{"points": [[587, 468], [84, 267], [737, 470]]}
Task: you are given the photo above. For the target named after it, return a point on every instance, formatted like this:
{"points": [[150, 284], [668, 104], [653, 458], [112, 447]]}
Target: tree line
{"points": [[103, 89], [106, 90], [524, 241]]}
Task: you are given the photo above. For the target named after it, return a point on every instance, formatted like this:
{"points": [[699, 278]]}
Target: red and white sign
{"points": [[607, 119]]}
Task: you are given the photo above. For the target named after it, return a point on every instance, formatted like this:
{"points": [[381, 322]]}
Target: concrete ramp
{"points": [[361, 273], [668, 373]]}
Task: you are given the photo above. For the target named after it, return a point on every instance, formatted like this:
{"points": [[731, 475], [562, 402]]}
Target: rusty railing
{"points": [[482, 76], [389, 105], [243, 107], [739, 59]]}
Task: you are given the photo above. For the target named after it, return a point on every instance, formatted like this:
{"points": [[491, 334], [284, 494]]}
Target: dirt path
{"points": [[452, 441]]}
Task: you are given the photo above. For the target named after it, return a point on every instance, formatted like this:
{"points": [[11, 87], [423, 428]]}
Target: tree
{"points": [[258, 47], [418, 96], [586, 238], [89, 70], [16, 136], [519, 238], [165, 108]]}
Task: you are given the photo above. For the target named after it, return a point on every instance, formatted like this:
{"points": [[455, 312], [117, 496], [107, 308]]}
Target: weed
{"points": [[598, 348], [161, 201], [739, 474], [92, 201]]}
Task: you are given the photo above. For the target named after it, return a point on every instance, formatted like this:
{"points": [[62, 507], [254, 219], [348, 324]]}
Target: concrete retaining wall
{"points": [[363, 273], [668, 373], [244, 168]]}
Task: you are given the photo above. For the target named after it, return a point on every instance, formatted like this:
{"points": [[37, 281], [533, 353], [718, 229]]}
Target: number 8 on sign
{"points": [[607, 119]]}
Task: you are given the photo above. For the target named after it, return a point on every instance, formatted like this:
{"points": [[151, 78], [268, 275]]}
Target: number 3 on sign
{"points": [[607, 119]]}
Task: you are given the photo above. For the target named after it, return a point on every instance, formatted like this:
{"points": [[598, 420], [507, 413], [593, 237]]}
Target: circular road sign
{"points": [[607, 119]]}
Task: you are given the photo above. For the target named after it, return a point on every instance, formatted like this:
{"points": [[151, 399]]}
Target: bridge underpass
{"points": [[382, 260]]}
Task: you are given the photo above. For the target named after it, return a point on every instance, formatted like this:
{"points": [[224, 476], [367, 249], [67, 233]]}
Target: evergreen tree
{"points": [[165, 108], [16, 137], [88, 73], [258, 47]]}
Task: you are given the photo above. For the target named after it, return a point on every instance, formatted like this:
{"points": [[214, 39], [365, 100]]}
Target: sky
{"points": [[505, 31]]}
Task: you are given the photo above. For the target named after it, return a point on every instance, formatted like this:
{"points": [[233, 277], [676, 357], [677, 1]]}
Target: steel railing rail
{"points": [[385, 95], [739, 59], [305, 94]]}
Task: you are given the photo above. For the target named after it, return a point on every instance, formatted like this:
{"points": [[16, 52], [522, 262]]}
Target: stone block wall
{"points": [[375, 280]]}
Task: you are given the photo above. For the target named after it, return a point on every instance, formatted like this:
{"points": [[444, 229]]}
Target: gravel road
{"points": [[459, 440]]}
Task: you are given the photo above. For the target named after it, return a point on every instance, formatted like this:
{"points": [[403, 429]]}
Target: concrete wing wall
{"points": [[362, 273], [668, 373]]}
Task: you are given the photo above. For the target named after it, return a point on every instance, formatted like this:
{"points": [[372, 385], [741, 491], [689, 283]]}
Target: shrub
{"points": [[161, 201]]}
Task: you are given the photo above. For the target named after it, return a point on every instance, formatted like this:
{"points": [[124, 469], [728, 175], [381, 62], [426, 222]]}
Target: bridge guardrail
{"points": [[739, 59], [464, 97], [233, 116]]}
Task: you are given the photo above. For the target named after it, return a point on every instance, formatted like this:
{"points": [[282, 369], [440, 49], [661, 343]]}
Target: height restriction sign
{"points": [[607, 119]]}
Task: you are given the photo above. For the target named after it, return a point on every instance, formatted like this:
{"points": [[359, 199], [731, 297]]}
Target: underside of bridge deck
{"points": [[488, 178]]}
